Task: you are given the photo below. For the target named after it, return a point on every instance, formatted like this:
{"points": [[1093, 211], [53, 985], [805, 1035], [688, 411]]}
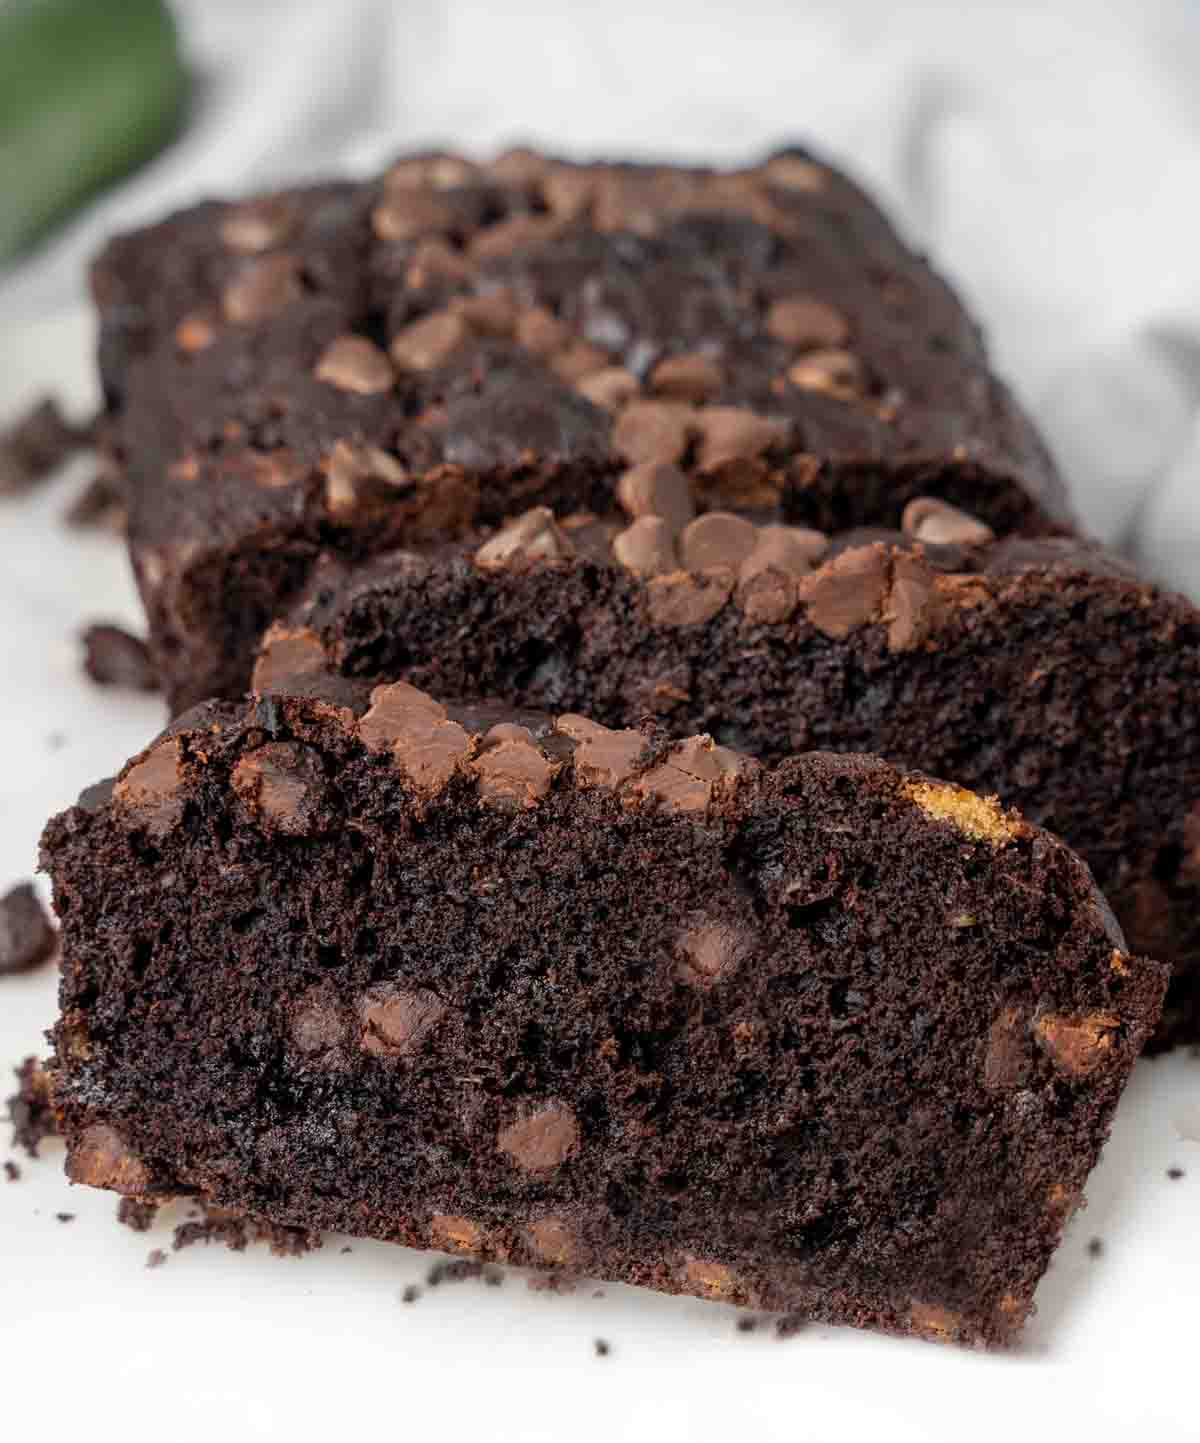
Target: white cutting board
{"points": [[218, 1345]]}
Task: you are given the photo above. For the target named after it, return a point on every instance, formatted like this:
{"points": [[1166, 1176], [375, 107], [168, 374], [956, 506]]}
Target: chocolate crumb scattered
{"points": [[27, 935], [135, 1214], [460, 1270], [35, 446], [155, 1258], [215, 1225], [791, 1325], [100, 505], [12, 1172], [603, 1347], [1095, 1247], [747, 1325], [55, 741], [115, 657], [65, 1217], [599, 1293], [30, 1109], [1175, 1173], [559, 1284], [347, 1250], [410, 1294]]}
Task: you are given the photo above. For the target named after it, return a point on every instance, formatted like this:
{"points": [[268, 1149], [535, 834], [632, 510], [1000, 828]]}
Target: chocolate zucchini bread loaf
{"points": [[1042, 670], [351, 367], [828, 1037]]}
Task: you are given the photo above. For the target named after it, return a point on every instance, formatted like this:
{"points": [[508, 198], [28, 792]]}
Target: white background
{"points": [[1048, 154]]}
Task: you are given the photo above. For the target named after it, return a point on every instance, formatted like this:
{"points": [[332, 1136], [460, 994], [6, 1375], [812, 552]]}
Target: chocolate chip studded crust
{"points": [[1043, 671], [828, 1037], [355, 366]]}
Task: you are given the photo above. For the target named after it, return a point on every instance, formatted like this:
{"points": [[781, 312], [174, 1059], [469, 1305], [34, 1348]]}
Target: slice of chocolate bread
{"points": [[830, 1037], [1044, 671], [356, 366]]}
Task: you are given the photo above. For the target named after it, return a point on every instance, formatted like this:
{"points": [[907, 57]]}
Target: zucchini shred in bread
{"points": [[356, 366], [827, 1037]]}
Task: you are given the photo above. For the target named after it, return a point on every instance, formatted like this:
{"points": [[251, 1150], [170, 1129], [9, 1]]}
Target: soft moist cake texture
{"points": [[351, 366], [830, 1038], [1042, 670]]}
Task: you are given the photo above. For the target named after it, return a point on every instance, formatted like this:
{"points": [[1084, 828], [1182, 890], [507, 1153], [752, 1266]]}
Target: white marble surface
{"points": [[249, 1346]]}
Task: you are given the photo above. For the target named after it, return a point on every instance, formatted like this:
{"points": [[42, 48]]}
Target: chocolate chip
{"points": [[511, 768], [450, 1231], [610, 387], [794, 172], [833, 372], [717, 538], [794, 550], [424, 744], [1008, 1057], [1077, 1045], [287, 653], [280, 784], [710, 949], [396, 1022], [653, 431], [541, 332], [579, 360], [686, 598], [259, 225], [352, 363], [430, 342], [532, 536], [261, 290], [692, 377], [440, 170], [196, 332], [113, 656], [27, 936], [552, 1240], [101, 1157], [151, 789], [733, 434], [517, 233], [274, 470], [318, 1026], [657, 489], [937, 523], [360, 477], [408, 213], [848, 591], [494, 313], [432, 260], [542, 1139], [693, 769], [646, 547], [603, 757], [807, 323], [912, 603]]}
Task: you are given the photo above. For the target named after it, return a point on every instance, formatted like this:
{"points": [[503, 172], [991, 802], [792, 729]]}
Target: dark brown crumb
{"points": [[135, 1214], [35, 446], [115, 657], [236, 1232], [27, 935], [1095, 1247], [1175, 1173], [791, 1325], [747, 1325], [493, 1278], [599, 1293], [410, 1294], [560, 1284], [100, 504], [458, 1271], [347, 1250], [55, 741], [12, 1172], [29, 1108], [603, 1347], [65, 1217], [156, 1258]]}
